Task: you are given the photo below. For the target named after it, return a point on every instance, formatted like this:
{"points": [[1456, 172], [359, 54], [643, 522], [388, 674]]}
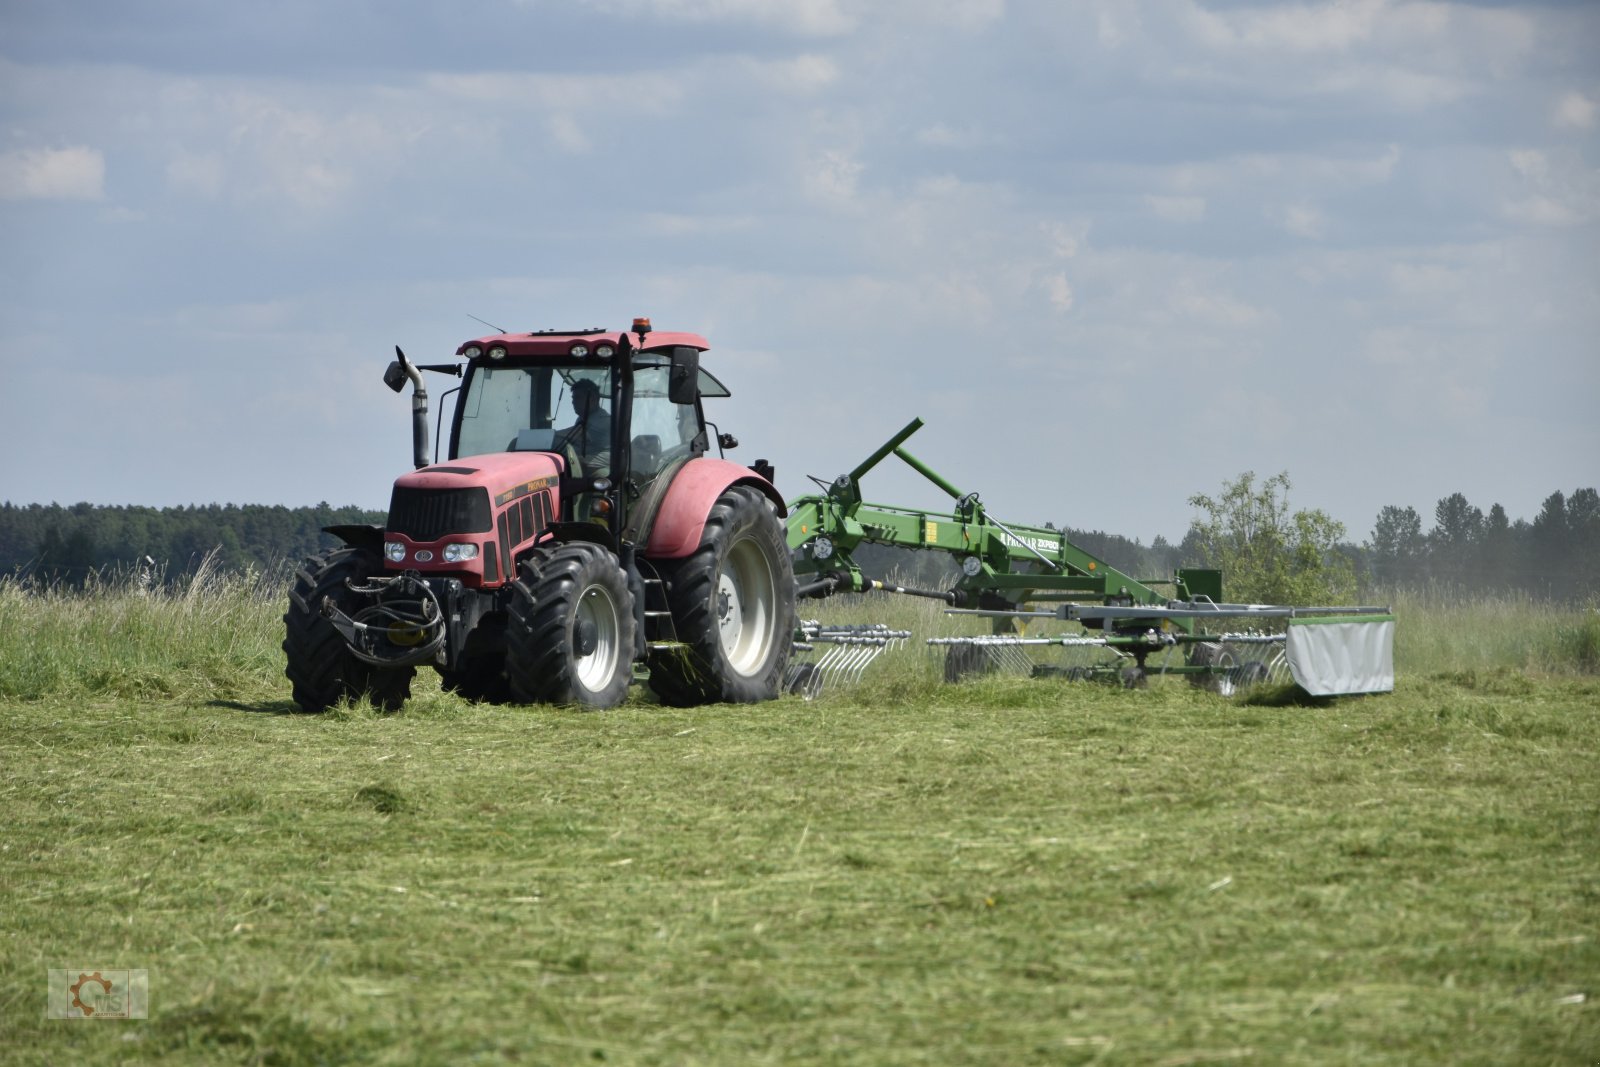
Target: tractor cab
{"points": [[617, 408], [572, 410]]}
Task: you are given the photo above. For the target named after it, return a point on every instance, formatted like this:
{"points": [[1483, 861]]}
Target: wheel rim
{"points": [[746, 605], [596, 608]]}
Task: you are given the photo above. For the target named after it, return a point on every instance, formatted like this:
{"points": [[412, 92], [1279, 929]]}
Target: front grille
{"points": [[429, 514]]}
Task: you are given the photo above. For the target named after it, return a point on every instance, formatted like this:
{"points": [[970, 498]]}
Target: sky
{"points": [[1113, 254]]}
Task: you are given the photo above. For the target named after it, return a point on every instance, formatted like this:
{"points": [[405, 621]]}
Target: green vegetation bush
{"points": [[1267, 553]]}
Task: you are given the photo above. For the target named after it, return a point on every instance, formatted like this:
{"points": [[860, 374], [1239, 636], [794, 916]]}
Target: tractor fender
{"points": [[359, 536], [682, 518]]}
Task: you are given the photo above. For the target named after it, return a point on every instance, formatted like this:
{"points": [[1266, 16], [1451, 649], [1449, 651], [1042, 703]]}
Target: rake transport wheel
{"points": [[732, 608], [962, 661], [321, 666], [569, 635], [1251, 672]]}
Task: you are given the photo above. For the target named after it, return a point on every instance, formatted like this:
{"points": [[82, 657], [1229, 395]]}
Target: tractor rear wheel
{"points": [[569, 637], [320, 665], [732, 604]]}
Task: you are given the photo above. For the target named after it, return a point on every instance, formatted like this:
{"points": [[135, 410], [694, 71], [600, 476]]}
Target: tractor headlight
{"points": [[821, 548], [394, 551], [604, 351], [497, 352], [460, 553], [579, 350], [472, 351], [971, 566]]}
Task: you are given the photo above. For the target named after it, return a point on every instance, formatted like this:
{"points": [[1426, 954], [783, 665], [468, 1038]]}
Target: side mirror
{"points": [[683, 385], [395, 376]]}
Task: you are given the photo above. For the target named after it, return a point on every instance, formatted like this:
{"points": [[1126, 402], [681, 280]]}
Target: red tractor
{"points": [[578, 529]]}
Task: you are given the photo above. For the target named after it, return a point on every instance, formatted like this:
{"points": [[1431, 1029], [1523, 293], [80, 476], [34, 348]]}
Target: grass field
{"points": [[1005, 871]]}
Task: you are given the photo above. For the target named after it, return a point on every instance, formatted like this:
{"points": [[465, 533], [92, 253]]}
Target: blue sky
{"points": [[1112, 253]]}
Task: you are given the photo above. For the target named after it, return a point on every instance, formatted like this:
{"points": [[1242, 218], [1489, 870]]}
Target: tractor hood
{"points": [[498, 472], [495, 503]]}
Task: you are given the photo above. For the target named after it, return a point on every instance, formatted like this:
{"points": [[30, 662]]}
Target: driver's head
{"points": [[585, 396]]}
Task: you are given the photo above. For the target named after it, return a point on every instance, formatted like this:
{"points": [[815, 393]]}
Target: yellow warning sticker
{"points": [[930, 532]]}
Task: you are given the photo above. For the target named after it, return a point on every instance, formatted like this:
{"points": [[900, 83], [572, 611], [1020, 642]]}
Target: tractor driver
{"points": [[590, 435]]}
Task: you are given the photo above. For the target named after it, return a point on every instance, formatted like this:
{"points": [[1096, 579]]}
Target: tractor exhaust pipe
{"points": [[395, 378]]}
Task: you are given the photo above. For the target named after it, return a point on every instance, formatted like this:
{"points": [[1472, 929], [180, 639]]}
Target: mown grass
{"points": [[1005, 871]]}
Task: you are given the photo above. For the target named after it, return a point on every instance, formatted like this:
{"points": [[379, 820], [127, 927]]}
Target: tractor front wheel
{"points": [[570, 631], [320, 665], [480, 677], [732, 605]]}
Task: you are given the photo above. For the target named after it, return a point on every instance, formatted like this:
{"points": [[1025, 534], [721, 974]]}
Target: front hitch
{"points": [[404, 626]]}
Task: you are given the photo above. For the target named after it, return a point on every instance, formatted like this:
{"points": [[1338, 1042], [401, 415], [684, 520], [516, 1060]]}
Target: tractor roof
{"points": [[559, 342]]}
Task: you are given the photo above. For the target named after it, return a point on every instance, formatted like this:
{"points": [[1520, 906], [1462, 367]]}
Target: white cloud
{"points": [[201, 173], [651, 92], [1431, 374], [802, 75], [940, 135], [568, 135], [52, 174], [1302, 220], [1178, 208], [305, 150], [677, 225], [1064, 239], [1560, 191], [811, 17], [1111, 25], [1530, 163], [833, 176], [1410, 279], [1059, 292], [1215, 308], [962, 14], [1575, 110], [1188, 192], [1404, 54], [1297, 27], [1412, 90]]}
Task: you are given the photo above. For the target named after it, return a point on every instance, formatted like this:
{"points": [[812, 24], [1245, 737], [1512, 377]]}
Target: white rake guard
{"points": [[1340, 655], [851, 649]]}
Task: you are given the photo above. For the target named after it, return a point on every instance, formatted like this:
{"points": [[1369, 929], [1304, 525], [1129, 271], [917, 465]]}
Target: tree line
{"points": [[1268, 552], [66, 545], [1554, 557]]}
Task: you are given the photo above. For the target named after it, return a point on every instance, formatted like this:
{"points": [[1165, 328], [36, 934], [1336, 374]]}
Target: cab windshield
{"points": [[567, 409], [525, 408]]}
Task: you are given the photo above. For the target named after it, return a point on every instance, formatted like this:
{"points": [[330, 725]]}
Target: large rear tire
{"points": [[732, 603], [570, 634], [321, 667]]}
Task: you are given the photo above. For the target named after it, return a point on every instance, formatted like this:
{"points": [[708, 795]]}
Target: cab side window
{"points": [[662, 431]]}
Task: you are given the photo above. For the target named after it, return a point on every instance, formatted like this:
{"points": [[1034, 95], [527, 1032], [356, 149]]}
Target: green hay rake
{"points": [[1006, 568], [846, 651]]}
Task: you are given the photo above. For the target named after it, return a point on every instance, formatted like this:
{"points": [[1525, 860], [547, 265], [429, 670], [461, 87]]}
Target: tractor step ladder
{"points": [[659, 632]]}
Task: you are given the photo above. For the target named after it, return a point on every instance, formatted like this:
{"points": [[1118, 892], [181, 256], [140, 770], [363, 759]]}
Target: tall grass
{"points": [[218, 634], [1437, 633], [127, 635]]}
